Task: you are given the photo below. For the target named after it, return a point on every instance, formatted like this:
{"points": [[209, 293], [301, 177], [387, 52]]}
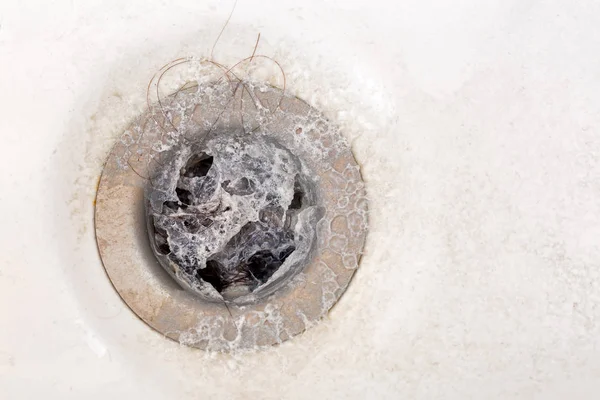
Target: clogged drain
{"points": [[250, 200], [233, 218]]}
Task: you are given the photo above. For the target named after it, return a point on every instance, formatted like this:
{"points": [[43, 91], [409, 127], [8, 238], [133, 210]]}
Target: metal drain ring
{"points": [[147, 288]]}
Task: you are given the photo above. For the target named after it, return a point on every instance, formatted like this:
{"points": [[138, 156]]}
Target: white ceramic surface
{"points": [[477, 125]]}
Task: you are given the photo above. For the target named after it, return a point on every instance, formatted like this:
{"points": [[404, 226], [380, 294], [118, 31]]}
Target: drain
{"points": [[233, 216]]}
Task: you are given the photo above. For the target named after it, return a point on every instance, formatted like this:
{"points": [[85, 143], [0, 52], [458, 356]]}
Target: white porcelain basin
{"points": [[477, 127]]}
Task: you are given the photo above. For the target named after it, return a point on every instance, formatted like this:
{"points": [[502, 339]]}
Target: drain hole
{"points": [[160, 237], [237, 238], [298, 196], [212, 274], [251, 256], [263, 264], [197, 166], [171, 205], [184, 196], [252, 273]]}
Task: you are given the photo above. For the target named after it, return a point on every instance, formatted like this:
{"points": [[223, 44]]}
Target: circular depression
{"points": [[231, 219]]}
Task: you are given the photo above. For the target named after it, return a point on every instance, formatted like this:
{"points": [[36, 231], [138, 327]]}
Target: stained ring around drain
{"points": [[121, 223]]}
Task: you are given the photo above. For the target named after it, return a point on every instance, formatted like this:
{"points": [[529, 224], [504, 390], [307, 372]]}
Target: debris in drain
{"points": [[264, 230], [233, 219]]}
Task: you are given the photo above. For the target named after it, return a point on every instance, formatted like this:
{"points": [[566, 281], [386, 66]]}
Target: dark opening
{"points": [[160, 237], [263, 264], [298, 196], [211, 274], [184, 196], [254, 272], [171, 205], [240, 263], [197, 166]]}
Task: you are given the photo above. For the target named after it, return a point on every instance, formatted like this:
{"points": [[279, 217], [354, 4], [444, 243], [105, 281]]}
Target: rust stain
{"points": [[97, 187]]}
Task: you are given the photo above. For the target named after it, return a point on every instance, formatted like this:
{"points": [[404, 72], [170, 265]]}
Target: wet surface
{"points": [[230, 213]]}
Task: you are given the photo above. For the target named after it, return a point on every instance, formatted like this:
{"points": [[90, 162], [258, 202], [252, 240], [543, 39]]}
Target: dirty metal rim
{"points": [[153, 295]]}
